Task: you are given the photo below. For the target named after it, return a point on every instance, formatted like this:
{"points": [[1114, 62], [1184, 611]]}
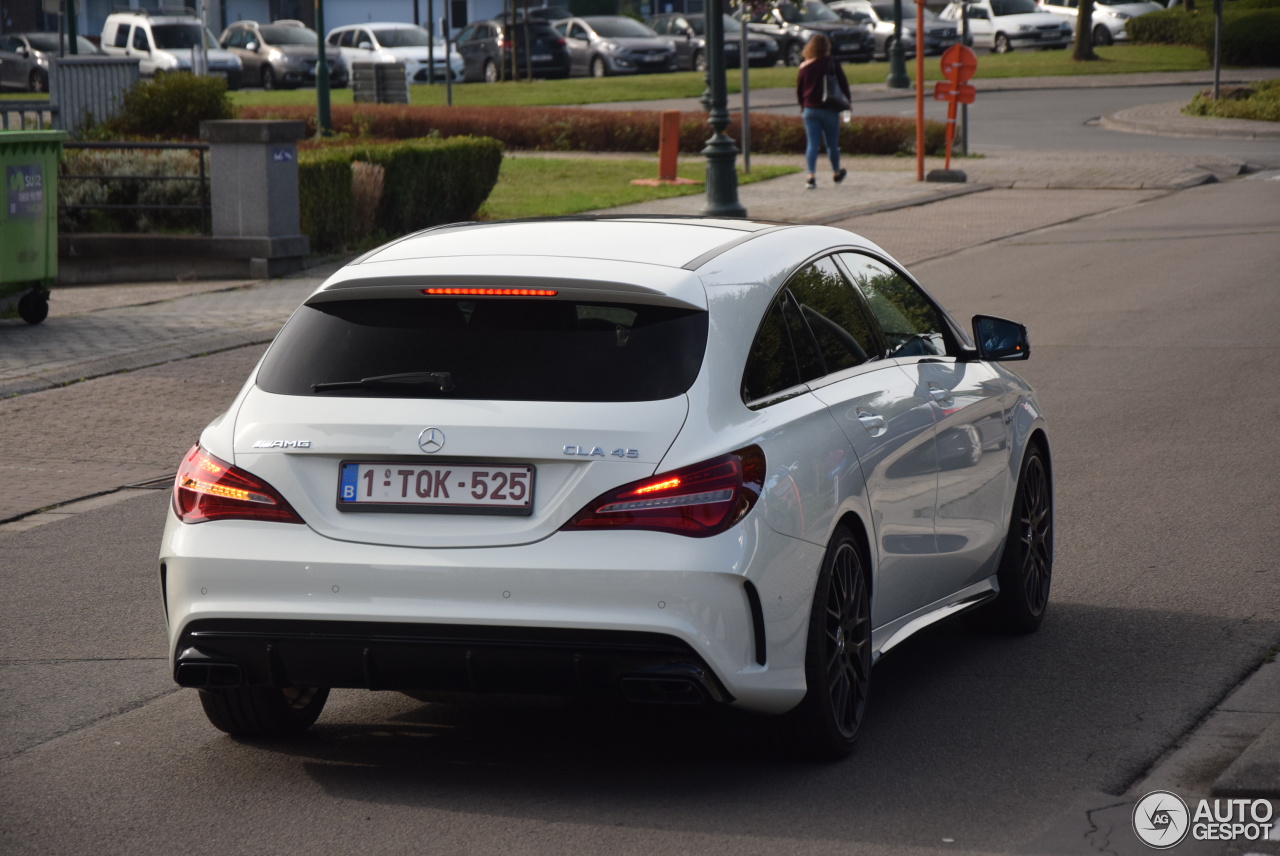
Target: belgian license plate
{"points": [[440, 487]]}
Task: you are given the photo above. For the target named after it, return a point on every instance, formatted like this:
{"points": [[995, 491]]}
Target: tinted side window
{"points": [[140, 39], [911, 324], [830, 310], [122, 36], [771, 365]]}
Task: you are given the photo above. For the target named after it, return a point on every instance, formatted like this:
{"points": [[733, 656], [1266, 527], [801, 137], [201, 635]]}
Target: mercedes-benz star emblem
{"points": [[431, 440]]}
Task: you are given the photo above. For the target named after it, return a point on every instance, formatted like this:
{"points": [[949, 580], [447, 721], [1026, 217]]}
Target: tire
{"points": [[263, 712], [38, 81], [1001, 44], [794, 54], [888, 47], [1102, 37], [1026, 566], [268, 78], [490, 71], [699, 61], [598, 67], [33, 307], [837, 668]]}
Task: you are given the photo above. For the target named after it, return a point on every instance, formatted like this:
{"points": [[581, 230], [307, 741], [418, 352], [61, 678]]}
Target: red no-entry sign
{"points": [[959, 63]]}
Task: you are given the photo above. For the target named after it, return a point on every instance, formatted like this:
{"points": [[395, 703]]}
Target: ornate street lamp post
{"points": [[722, 176], [897, 62]]}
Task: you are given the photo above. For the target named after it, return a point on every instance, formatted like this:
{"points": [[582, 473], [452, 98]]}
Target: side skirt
{"points": [[890, 635]]}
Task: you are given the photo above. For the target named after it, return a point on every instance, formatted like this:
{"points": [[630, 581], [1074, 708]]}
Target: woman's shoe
{"points": [[839, 176], [811, 184]]}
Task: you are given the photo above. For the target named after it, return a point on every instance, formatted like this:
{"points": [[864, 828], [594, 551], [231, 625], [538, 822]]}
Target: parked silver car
{"points": [[281, 55], [24, 58], [938, 34], [1109, 16], [604, 45]]}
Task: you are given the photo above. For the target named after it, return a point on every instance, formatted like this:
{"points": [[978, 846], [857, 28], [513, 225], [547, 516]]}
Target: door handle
{"points": [[942, 395], [874, 423]]}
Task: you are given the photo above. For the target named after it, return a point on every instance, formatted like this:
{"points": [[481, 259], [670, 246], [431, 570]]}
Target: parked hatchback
{"points": [[604, 45], [424, 57], [792, 26], [938, 34], [1109, 16], [281, 55], [488, 49], [1003, 25], [24, 58], [689, 32], [673, 461]]}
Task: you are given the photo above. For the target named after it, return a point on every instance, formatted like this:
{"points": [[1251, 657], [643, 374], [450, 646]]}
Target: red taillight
{"points": [[207, 488], [699, 500]]}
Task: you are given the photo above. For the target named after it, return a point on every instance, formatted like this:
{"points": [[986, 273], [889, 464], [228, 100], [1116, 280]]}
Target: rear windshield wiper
{"points": [[444, 380]]}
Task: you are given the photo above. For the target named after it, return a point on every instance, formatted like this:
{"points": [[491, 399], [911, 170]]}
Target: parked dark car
{"points": [[689, 34], [604, 45], [282, 55], [486, 50], [24, 58], [878, 15], [792, 26]]}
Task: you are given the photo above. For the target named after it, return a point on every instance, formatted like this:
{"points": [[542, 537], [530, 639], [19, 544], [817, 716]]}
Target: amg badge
{"points": [[282, 444]]}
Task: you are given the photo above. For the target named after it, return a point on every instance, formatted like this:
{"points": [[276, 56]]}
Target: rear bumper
{"points": [[579, 612], [443, 658]]}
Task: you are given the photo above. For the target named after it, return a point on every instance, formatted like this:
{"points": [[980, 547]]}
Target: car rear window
{"points": [[492, 348]]}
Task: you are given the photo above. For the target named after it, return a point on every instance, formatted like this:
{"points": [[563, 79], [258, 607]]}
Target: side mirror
{"points": [[1000, 340], [251, 46], [365, 46]]}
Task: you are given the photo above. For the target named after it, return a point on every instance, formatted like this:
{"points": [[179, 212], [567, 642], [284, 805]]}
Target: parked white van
{"points": [[163, 41]]}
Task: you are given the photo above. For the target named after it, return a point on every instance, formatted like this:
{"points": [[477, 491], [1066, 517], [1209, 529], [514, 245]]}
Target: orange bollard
{"points": [[668, 152], [668, 145]]}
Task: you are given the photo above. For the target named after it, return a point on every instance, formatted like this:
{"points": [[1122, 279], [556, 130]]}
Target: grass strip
{"points": [[531, 186]]}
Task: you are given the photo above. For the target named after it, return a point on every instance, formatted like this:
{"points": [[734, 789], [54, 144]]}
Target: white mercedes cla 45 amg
{"points": [[673, 460]]}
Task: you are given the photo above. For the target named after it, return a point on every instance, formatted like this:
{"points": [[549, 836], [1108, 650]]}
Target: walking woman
{"points": [[821, 115]]}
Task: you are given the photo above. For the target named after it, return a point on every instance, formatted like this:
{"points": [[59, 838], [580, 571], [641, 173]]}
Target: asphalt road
{"points": [[1049, 120], [1154, 344]]}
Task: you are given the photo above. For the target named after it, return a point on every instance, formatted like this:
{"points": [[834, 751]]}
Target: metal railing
{"points": [[204, 207], [27, 115]]}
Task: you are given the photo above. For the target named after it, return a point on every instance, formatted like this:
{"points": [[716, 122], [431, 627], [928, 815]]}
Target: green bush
{"points": [[571, 129], [1251, 39], [414, 184], [129, 177], [1261, 103], [168, 107], [1250, 30]]}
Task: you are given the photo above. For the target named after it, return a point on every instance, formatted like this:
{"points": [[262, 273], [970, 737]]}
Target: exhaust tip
{"points": [[646, 690], [197, 670]]}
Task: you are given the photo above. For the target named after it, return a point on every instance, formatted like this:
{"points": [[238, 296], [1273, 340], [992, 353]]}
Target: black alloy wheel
{"points": [[825, 725], [38, 81], [1026, 566], [1102, 36]]}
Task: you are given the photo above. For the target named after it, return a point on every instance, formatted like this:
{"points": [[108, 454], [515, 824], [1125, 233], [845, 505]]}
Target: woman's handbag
{"points": [[832, 95]]}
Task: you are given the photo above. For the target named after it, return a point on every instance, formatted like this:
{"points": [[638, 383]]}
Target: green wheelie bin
{"points": [[28, 221]]}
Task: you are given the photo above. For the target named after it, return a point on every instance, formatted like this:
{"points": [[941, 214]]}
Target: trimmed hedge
{"points": [[567, 129], [1250, 31], [419, 183]]}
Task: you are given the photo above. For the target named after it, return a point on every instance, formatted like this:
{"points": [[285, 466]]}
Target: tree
{"points": [[1083, 50]]}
